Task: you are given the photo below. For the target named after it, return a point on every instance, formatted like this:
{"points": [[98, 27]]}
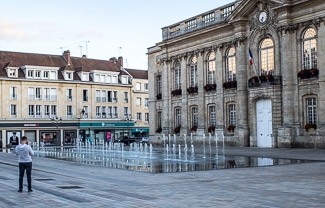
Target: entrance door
{"points": [[264, 123]]}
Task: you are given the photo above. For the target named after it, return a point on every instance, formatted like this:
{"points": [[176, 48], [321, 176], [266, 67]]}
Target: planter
{"points": [[192, 90], [194, 128], [310, 126], [231, 128], [309, 73], [177, 129], [230, 84], [210, 87], [177, 92], [159, 96], [159, 130], [211, 129]]}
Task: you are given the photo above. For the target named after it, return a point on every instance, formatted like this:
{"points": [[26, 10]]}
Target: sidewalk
{"points": [[67, 184]]}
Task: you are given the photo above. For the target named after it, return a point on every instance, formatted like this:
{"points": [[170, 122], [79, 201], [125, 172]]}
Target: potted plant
{"points": [[230, 84], [159, 96]]}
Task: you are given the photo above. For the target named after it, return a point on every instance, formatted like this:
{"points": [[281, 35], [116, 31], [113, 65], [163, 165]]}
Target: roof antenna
{"points": [[120, 49], [86, 42], [61, 49], [80, 50]]}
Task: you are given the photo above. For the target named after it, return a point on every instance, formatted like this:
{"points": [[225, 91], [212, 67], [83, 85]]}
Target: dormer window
{"points": [[68, 75], [46, 74], [124, 80], [30, 73], [12, 73], [37, 74]]}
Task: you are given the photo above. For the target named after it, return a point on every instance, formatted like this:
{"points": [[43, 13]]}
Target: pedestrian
{"points": [[24, 153]]}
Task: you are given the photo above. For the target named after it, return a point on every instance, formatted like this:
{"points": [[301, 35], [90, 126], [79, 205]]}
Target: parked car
{"points": [[143, 140], [126, 139]]}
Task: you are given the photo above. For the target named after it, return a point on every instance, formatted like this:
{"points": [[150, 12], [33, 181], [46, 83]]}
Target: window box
{"points": [[177, 92], [159, 130], [211, 129], [159, 96], [210, 87], [231, 128], [310, 126], [194, 128], [309, 73], [177, 129], [230, 84], [191, 90]]}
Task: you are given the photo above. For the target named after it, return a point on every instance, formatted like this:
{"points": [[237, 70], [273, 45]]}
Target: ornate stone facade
{"points": [[250, 70]]}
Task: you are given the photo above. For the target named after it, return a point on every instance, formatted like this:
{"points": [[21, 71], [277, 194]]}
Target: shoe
{"points": [[30, 190], [20, 190]]}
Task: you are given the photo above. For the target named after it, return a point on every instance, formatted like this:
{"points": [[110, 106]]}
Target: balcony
{"points": [[210, 87], [307, 74], [264, 80], [230, 85], [192, 90], [177, 92]]}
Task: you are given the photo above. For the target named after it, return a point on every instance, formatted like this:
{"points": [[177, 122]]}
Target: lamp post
{"points": [[82, 112], [128, 119], [57, 121]]}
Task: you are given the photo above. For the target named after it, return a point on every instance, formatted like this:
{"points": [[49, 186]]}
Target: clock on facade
{"points": [[262, 17]]}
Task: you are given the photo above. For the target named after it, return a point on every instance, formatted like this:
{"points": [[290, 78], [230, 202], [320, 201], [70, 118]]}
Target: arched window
{"points": [[309, 56], [231, 65], [193, 72], [177, 75], [267, 57], [178, 117], [211, 68], [232, 114]]}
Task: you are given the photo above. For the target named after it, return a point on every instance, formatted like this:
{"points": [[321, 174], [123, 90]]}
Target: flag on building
{"points": [[250, 57]]}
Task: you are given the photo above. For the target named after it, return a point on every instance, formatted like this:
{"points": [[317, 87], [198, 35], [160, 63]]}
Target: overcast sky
{"points": [[107, 28]]}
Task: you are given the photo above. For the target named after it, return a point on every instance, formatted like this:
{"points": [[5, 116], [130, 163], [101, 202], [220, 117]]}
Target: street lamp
{"points": [[82, 112], [57, 121], [128, 119]]}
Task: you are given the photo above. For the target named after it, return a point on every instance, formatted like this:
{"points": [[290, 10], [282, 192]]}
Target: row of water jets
{"points": [[174, 149]]}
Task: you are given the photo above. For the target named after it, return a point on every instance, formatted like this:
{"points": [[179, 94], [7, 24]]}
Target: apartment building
{"points": [[60, 99], [251, 72]]}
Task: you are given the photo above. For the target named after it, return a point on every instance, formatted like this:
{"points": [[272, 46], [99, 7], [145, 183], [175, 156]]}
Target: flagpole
{"points": [[253, 63]]}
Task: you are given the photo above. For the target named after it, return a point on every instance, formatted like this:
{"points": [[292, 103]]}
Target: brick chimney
{"points": [[120, 61], [66, 55]]}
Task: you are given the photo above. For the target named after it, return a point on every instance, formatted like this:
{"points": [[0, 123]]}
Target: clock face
{"points": [[262, 17]]}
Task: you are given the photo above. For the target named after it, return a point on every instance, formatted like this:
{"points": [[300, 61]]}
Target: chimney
{"points": [[66, 55], [84, 56], [120, 61], [113, 60]]}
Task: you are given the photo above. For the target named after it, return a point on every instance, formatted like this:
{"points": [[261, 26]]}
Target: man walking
{"points": [[24, 153]]}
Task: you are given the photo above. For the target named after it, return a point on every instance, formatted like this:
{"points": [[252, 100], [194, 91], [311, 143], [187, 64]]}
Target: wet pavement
{"points": [[58, 183]]}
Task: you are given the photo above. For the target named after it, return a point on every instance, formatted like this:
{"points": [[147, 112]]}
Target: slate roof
{"points": [[138, 74], [19, 59]]}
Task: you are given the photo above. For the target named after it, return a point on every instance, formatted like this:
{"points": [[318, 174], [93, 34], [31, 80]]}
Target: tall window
{"points": [[98, 98], [311, 110], [309, 60], [139, 116], [126, 97], [177, 75], [178, 117], [13, 111], [38, 111], [31, 111], [46, 111], [159, 119], [194, 117], [146, 102], [69, 94], [38, 94], [212, 115], [31, 93], [267, 56], [115, 114], [13, 93], [84, 95], [53, 111], [232, 115], [211, 68], [146, 117], [193, 72], [126, 112], [138, 86], [98, 111], [159, 84], [138, 101], [69, 111], [231, 65]]}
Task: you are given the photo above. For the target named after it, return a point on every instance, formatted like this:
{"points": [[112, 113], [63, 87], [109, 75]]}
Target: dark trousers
{"points": [[28, 168]]}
